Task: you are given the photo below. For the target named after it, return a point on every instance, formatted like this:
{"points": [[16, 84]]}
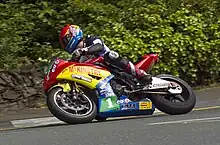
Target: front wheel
{"points": [[69, 108], [175, 104]]}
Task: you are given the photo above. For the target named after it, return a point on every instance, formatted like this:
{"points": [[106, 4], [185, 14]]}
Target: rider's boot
{"points": [[146, 79], [142, 76]]}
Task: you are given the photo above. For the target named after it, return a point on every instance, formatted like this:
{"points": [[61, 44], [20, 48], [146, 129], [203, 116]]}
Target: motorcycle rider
{"points": [[71, 40]]}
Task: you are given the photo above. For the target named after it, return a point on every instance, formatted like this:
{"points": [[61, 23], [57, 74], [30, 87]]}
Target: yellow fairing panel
{"points": [[84, 75]]}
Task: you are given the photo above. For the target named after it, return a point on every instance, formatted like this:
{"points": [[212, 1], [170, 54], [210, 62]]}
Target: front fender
{"points": [[65, 86]]}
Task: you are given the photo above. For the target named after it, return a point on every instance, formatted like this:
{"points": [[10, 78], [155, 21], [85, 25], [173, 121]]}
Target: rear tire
{"points": [[174, 108], [64, 115]]}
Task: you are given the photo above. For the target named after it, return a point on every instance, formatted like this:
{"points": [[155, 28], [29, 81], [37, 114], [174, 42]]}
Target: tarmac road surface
{"points": [[199, 127], [195, 128]]}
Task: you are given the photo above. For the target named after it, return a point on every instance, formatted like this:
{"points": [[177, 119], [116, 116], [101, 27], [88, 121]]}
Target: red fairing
{"points": [[58, 66], [147, 62]]}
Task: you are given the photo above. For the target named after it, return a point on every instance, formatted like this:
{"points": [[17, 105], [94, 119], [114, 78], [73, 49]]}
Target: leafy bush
{"points": [[185, 33]]}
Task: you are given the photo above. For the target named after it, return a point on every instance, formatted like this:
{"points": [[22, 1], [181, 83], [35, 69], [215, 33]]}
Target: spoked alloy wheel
{"points": [[175, 103], [77, 108], [182, 97], [79, 105]]}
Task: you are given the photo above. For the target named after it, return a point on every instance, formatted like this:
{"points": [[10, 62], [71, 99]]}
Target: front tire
{"points": [[100, 119], [165, 104], [64, 114]]}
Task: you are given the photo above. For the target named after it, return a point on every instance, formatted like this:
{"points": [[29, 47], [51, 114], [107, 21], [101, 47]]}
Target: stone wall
{"points": [[21, 88]]}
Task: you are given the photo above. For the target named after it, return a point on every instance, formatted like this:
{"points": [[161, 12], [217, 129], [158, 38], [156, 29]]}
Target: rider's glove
{"points": [[81, 51]]}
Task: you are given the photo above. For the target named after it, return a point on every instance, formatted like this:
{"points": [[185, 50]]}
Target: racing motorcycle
{"points": [[80, 91]]}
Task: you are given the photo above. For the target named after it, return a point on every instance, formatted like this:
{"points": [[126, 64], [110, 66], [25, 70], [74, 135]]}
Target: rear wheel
{"points": [[175, 104], [78, 108]]}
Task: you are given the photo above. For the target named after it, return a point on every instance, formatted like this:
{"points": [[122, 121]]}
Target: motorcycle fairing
{"points": [[111, 105], [88, 76], [147, 61], [84, 73], [129, 108], [107, 98]]}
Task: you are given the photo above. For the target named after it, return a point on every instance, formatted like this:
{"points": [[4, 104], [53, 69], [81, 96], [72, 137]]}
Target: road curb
{"points": [[45, 121], [35, 122]]}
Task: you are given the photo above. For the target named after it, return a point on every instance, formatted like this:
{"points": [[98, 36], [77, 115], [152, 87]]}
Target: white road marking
{"points": [[36, 122], [209, 121], [184, 121], [51, 121], [54, 121]]}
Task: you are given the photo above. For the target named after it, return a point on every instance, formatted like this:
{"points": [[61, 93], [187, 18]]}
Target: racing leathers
{"points": [[93, 45]]}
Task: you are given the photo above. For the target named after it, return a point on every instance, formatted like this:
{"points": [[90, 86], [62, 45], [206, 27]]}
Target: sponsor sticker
{"points": [[87, 70], [82, 78], [126, 100], [145, 105], [109, 103], [55, 65], [57, 61], [54, 68], [128, 106]]}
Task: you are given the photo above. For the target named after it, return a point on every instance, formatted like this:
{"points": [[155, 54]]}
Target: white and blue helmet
{"points": [[70, 36]]}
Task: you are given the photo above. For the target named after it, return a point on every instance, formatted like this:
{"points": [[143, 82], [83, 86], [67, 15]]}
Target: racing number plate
{"points": [[109, 104], [145, 105]]}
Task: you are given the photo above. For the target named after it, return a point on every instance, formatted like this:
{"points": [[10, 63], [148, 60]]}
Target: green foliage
{"points": [[185, 33]]}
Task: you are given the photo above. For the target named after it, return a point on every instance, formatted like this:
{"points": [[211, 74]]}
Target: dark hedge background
{"points": [[185, 33]]}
